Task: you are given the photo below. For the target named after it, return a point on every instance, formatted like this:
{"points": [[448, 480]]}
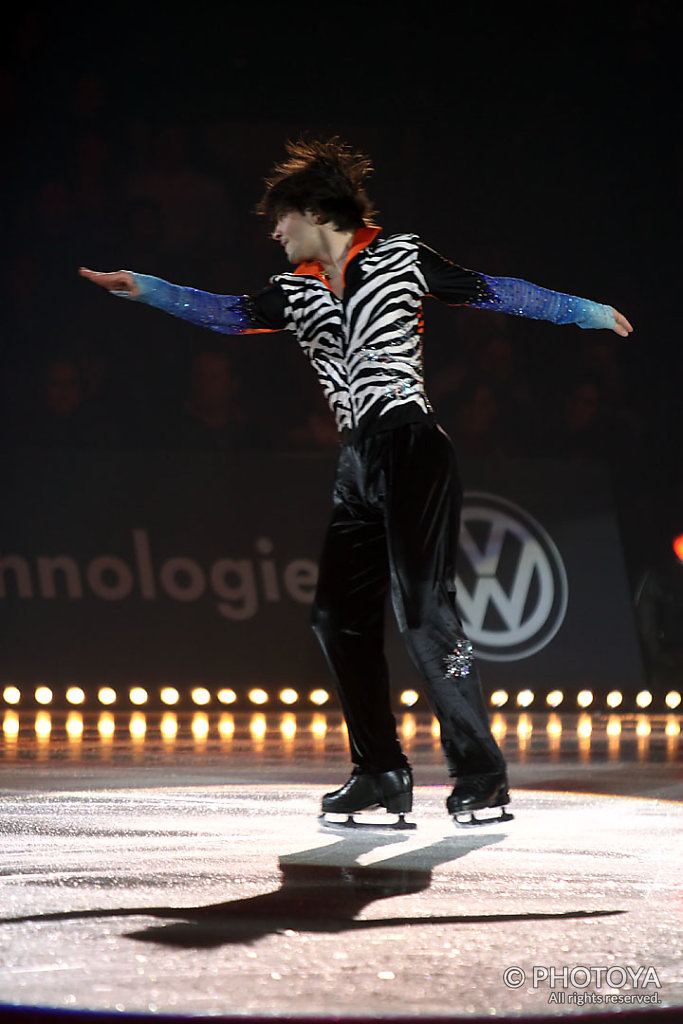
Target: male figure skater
{"points": [[354, 302]]}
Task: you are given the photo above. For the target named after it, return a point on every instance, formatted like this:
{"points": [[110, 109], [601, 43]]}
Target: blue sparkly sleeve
{"points": [[510, 295], [456, 285], [227, 314]]}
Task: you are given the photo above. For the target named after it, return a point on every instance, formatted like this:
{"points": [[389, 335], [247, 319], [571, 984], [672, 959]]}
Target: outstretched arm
{"points": [[510, 295], [455, 285], [227, 314]]}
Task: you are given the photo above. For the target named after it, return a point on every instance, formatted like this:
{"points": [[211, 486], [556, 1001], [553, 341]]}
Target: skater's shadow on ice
{"points": [[325, 890], [322, 890]]}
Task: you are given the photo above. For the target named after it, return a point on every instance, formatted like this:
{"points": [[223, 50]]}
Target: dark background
{"points": [[536, 141]]}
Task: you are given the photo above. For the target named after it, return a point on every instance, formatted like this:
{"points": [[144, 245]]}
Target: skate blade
{"points": [[471, 822], [342, 823]]}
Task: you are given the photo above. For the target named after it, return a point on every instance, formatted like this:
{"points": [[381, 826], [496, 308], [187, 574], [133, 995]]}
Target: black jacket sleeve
{"points": [[449, 282]]}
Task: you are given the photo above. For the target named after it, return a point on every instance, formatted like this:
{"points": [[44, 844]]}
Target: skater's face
{"points": [[299, 234]]}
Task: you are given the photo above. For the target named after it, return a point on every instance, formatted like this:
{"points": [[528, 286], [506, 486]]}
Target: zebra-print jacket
{"points": [[367, 346]]}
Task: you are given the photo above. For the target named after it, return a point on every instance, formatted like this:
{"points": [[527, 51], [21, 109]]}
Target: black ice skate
{"points": [[367, 791], [479, 793]]}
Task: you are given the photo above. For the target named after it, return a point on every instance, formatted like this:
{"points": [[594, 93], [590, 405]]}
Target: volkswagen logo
{"points": [[511, 583]]}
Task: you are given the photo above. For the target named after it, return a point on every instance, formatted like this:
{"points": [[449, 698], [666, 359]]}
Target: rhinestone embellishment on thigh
{"points": [[458, 663]]}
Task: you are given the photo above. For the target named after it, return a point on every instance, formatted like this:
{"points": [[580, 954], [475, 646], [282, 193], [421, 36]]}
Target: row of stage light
{"points": [[200, 696], [256, 728]]}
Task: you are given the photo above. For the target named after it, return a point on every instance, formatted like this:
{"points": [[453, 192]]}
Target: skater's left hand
{"points": [[621, 325]]}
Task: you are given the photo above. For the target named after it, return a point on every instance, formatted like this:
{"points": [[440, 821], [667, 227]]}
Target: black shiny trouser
{"points": [[394, 528]]}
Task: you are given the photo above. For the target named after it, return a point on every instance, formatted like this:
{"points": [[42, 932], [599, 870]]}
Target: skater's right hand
{"points": [[118, 281]]}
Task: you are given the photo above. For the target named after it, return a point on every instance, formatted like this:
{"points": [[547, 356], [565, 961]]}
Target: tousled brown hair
{"points": [[326, 177]]}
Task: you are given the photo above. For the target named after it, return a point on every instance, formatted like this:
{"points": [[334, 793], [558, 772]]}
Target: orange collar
{"points": [[361, 239]]}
